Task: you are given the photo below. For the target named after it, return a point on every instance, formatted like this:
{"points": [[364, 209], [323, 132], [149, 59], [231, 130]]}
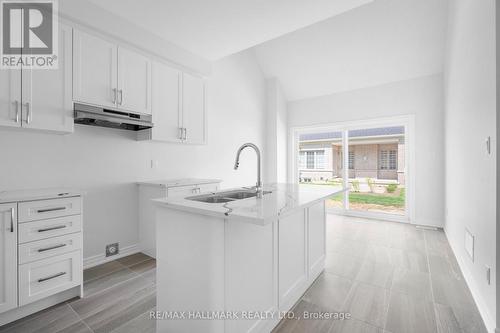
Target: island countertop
{"points": [[284, 199]]}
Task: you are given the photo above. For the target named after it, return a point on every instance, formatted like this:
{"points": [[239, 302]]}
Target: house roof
{"points": [[369, 132]]}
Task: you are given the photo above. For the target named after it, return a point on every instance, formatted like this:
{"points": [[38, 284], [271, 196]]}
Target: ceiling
{"points": [[381, 42], [217, 28]]}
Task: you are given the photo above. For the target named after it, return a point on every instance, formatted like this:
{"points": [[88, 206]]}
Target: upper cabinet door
{"points": [[134, 81], [166, 103], [10, 97], [46, 94], [8, 257], [94, 70], [193, 106]]}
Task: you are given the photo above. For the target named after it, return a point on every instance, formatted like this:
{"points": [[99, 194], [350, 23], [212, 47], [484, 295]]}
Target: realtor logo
{"points": [[29, 34]]}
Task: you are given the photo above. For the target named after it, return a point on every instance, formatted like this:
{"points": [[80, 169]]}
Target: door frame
{"points": [[408, 121]]}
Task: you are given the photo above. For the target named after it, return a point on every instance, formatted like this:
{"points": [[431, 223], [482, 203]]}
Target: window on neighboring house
{"points": [[351, 160], [312, 159], [388, 160]]}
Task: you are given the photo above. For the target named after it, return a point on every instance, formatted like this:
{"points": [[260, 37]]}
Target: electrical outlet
{"points": [[488, 274], [112, 249]]}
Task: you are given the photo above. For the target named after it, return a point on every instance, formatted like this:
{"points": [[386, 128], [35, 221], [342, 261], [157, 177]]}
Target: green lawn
{"points": [[376, 199]]}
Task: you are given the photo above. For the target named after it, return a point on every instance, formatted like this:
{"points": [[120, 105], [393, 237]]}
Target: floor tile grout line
{"points": [[127, 322], [430, 280], [135, 275], [81, 319], [109, 273]]}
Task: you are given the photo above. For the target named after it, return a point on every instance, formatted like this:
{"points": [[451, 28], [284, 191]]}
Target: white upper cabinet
{"points": [[193, 109], [94, 70], [8, 257], [166, 103], [109, 75], [46, 94], [10, 98], [40, 98], [134, 81]]}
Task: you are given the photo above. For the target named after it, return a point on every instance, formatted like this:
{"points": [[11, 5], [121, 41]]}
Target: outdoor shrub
{"points": [[370, 183], [391, 188], [355, 185]]}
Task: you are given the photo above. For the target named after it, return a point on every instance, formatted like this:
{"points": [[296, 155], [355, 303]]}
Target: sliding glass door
{"points": [[371, 161]]}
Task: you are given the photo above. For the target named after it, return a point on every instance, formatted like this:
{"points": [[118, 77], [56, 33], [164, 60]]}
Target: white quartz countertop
{"points": [[284, 199], [38, 194], [179, 182]]}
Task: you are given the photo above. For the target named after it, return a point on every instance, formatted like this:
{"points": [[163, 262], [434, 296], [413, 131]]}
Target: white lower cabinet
{"points": [[40, 254], [47, 277], [8, 257], [149, 191]]}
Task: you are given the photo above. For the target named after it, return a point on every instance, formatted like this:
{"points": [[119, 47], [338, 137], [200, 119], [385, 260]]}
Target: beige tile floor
{"points": [[391, 277]]}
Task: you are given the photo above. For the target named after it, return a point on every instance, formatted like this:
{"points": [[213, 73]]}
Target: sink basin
{"points": [[226, 196], [210, 199]]}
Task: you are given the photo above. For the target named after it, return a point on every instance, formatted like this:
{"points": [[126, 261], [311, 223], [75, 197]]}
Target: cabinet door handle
{"points": [[51, 248], [46, 210], [185, 133], [121, 97], [114, 96], [16, 105], [51, 277], [28, 113], [181, 131], [12, 217], [52, 228]]}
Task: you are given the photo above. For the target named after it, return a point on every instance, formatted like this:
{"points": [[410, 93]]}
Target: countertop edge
{"points": [[234, 216], [179, 182]]}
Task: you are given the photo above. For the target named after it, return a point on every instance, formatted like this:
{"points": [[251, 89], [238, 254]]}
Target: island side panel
{"points": [[190, 269], [292, 258], [316, 221], [250, 275]]}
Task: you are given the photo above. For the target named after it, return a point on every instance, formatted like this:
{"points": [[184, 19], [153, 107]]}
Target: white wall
{"points": [[87, 14], [276, 139], [106, 162], [422, 97], [378, 43], [470, 90]]}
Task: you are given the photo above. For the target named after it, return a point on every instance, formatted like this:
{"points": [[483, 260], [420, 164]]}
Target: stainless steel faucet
{"points": [[258, 186]]}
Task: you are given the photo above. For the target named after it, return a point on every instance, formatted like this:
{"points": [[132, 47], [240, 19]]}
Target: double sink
{"points": [[226, 196]]}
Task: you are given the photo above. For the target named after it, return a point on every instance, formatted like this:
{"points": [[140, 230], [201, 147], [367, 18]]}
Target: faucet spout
{"points": [[258, 186]]}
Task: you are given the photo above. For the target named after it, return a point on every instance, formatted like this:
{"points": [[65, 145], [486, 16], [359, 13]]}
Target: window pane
{"points": [[302, 159], [351, 160], [393, 160], [310, 160], [320, 159]]}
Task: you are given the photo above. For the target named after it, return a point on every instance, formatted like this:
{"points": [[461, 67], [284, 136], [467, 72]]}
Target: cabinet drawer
{"points": [[46, 209], [182, 191], [50, 276], [185, 191], [37, 230], [46, 248], [208, 188]]}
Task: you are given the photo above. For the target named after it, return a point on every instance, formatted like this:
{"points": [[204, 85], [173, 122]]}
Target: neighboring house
{"points": [[376, 153]]}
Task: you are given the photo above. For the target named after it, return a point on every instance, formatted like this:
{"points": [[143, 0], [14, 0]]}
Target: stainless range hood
{"points": [[98, 116]]}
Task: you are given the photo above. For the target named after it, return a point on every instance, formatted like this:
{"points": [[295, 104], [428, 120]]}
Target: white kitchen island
{"points": [[236, 266]]}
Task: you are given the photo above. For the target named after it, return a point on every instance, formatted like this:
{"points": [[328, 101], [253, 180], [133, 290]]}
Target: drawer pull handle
{"points": [[51, 277], [50, 209], [51, 248], [52, 228]]}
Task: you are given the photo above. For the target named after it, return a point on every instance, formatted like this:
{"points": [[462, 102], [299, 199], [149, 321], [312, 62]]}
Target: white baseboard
{"points": [[101, 258], [471, 283]]}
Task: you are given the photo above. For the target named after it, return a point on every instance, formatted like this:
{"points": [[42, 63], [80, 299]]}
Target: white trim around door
{"points": [[408, 121]]}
